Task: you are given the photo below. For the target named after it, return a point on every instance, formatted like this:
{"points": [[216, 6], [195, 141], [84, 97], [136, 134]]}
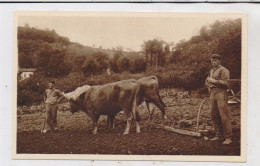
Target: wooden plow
{"points": [[197, 132]]}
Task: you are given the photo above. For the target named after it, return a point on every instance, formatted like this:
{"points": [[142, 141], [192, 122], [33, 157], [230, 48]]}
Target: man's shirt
{"points": [[52, 95], [222, 75]]}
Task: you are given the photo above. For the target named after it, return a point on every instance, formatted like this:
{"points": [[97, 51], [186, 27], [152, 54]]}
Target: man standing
{"points": [[217, 83], [51, 98]]}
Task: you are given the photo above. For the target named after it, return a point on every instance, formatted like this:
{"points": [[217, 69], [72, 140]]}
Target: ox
{"points": [[148, 93], [107, 99]]}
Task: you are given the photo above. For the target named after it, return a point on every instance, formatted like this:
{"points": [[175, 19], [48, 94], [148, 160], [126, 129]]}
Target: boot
{"points": [[215, 138], [227, 141]]}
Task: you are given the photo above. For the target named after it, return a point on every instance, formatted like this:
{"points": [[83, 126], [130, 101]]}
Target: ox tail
{"points": [[160, 99]]}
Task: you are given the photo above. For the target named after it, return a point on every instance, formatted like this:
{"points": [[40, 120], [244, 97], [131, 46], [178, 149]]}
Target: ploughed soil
{"points": [[75, 133]]}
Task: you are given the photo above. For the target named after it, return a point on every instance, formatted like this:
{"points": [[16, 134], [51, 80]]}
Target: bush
{"points": [[31, 90], [124, 64], [95, 64], [71, 81], [138, 64]]}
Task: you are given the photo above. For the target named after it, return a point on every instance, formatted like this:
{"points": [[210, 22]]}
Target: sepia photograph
{"points": [[130, 86]]}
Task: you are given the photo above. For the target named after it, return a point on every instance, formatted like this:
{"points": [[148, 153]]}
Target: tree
{"points": [[102, 60], [41, 58], [57, 65], [138, 64], [154, 52], [114, 62], [36, 47], [124, 64], [193, 55], [90, 66], [95, 64]]}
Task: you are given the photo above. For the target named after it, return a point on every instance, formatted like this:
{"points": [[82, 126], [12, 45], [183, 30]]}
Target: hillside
{"points": [[184, 66], [32, 41]]}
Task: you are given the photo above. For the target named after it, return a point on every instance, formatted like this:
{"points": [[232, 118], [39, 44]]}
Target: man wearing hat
{"points": [[217, 83]]}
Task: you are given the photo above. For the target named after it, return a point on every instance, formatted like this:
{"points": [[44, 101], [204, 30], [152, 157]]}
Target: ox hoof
{"points": [[125, 133], [165, 117], [94, 132], [138, 131], [43, 131]]}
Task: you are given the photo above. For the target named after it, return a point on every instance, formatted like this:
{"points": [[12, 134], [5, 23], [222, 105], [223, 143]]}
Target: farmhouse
{"points": [[25, 73]]}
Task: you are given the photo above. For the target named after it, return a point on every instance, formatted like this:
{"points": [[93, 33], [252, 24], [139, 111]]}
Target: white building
{"points": [[25, 73]]}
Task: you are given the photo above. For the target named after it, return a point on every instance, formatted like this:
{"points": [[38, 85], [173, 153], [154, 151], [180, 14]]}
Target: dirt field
{"points": [[75, 133]]}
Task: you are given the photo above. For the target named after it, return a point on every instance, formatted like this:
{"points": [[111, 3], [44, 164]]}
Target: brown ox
{"points": [[148, 93], [108, 99]]}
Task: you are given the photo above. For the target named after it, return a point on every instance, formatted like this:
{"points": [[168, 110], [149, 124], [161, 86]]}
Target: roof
{"points": [[26, 70]]}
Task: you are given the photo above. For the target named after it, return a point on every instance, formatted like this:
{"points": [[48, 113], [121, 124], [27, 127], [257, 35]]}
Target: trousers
{"points": [[51, 111], [220, 112]]}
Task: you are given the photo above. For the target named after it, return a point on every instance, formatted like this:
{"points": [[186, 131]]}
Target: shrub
{"points": [[138, 64], [31, 90], [124, 64], [95, 64]]}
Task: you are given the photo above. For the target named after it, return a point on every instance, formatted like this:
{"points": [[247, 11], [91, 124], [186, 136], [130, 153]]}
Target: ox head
{"points": [[74, 106], [76, 98]]}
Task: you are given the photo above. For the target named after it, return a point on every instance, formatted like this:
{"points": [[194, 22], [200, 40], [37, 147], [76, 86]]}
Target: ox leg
{"points": [[138, 118], [150, 109], [128, 120], [132, 113], [95, 122], [110, 121]]}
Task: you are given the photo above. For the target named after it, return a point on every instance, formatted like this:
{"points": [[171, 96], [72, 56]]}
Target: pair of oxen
{"points": [[110, 99]]}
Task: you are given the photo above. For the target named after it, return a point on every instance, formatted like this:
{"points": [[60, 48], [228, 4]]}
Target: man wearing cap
{"points": [[51, 98], [217, 83]]}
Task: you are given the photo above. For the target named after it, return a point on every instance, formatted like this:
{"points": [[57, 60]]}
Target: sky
{"points": [[110, 32]]}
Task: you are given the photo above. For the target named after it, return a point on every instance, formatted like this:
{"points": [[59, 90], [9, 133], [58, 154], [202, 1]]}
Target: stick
{"points": [[43, 125], [180, 131], [236, 80]]}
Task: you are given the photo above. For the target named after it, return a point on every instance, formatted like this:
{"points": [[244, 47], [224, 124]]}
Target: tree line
{"points": [[184, 64], [56, 56]]}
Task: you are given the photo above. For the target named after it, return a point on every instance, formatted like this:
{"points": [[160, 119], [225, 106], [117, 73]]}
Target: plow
{"points": [[197, 130]]}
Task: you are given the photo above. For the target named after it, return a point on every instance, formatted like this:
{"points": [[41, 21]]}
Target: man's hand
{"points": [[62, 98], [211, 80]]}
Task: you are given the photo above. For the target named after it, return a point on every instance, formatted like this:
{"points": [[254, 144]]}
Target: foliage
{"points": [[223, 38], [155, 52], [124, 63], [71, 65], [138, 64], [95, 64], [35, 34], [31, 90], [131, 62], [114, 63], [44, 50]]}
